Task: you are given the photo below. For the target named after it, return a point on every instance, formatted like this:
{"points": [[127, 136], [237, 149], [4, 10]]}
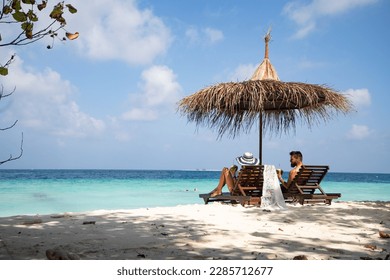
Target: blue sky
{"points": [[109, 98]]}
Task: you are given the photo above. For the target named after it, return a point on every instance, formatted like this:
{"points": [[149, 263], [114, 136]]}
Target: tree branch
{"points": [[11, 157], [11, 126], [18, 41], [2, 95]]}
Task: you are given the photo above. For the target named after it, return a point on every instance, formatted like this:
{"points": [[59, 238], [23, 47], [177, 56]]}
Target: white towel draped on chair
{"points": [[272, 197]]}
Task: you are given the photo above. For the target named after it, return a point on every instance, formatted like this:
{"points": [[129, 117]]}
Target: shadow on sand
{"points": [[117, 235]]}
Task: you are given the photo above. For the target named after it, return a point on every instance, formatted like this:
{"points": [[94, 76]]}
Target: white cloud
{"points": [[213, 35], [205, 36], [43, 101], [243, 72], [306, 16], [160, 86], [358, 132], [159, 90], [140, 114], [359, 97], [118, 131], [305, 30], [119, 30]]}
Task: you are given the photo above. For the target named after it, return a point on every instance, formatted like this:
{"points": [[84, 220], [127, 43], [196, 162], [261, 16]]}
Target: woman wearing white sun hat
{"points": [[228, 175]]}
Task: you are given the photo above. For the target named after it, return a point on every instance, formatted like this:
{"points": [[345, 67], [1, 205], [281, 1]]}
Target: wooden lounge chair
{"points": [[305, 188], [247, 189]]}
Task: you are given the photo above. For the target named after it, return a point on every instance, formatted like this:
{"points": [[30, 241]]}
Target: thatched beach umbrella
{"points": [[234, 107]]}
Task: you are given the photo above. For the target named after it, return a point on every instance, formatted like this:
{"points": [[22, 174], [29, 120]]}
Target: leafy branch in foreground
{"points": [[4, 68], [25, 13]]}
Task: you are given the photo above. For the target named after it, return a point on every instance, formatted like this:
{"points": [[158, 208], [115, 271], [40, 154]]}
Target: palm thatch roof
{"points": [[266, 71], [233, 107]]}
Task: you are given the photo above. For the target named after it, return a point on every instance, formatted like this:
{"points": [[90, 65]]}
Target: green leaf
{"points": [[3, 71], [16, 5], [7, 10], [27, 26], [71, 9], [56, 12], [32, 2], [61, 20], [29, 34], [32, 16], [28, 29], [42, 6], [20, 16]]}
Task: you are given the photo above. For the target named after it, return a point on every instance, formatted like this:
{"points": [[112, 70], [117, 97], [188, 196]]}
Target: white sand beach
{"points": [[343, 230]]}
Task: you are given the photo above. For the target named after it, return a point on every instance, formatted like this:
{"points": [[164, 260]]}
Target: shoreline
{"points": [[162, 206], [343, 230]]}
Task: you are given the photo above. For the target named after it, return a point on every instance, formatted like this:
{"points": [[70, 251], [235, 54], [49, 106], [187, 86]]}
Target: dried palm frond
{"points": [[234, 107]]}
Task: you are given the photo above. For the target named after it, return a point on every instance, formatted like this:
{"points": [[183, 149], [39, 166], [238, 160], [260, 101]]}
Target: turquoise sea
{"points": [[58, 191]]}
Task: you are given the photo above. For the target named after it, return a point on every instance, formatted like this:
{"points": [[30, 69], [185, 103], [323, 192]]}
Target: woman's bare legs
{"points": [[225, 179]]}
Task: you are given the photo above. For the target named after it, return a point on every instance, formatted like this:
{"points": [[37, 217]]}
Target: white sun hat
{"points": [[247, 159]]}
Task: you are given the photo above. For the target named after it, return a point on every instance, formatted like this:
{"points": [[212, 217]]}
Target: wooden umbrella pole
{"points": [[267, 38], [261, 138]]}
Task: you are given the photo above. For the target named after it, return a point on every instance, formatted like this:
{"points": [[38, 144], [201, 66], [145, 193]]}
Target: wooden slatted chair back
{"points": [[250, 180], [310, 176]]}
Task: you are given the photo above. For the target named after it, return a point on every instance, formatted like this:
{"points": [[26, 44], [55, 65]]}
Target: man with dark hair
{"points": [[296, 163]]}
